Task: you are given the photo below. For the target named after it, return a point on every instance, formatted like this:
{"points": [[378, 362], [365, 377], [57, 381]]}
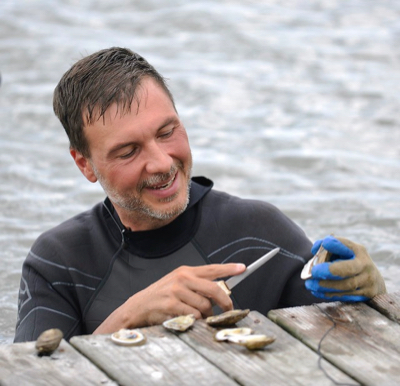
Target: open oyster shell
{"points": [[180, 323], [226, 333], [227, 318], [127, 337], [252, 342], [320, 257]]}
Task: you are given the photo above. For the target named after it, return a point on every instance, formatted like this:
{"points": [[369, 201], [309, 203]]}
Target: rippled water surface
{"points": [[295, 102]]}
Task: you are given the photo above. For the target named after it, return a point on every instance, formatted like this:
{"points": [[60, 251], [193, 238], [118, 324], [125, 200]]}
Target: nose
{"points": [[157, 159]]}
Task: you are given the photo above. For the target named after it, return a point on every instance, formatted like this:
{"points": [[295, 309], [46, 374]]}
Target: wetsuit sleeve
{"points": [[41, 306], [295, 293], [61, 274]]}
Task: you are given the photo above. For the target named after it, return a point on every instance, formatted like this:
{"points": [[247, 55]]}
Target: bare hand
{"points": [[186, 290]]}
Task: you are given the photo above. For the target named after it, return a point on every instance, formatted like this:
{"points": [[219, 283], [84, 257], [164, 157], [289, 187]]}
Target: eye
{"points": [[166, 134], [129, 154]]}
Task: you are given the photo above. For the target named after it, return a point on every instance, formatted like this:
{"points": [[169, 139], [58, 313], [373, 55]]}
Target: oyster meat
{"points": [[252, 342], [180, 323], [48, 341], [227, 318], [127, 337], [226, 333]]}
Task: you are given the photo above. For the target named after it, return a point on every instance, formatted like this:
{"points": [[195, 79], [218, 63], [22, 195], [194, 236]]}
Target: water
{"points": [[294, 102]]}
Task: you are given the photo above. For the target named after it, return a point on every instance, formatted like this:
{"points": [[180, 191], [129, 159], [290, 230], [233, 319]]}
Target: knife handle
{"points": [[222, 284]]}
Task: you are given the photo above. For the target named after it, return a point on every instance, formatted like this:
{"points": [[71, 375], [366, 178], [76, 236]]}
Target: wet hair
{"points": [[93, 84]]}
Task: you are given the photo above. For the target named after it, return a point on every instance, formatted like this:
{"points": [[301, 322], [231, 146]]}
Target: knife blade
{"points": [[235, 280]]}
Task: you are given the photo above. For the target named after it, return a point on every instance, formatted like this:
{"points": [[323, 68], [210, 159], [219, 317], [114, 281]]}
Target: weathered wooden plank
{"points": [[359, 340], [388, 305], [163, 360], [20, 365], [286, 362]]}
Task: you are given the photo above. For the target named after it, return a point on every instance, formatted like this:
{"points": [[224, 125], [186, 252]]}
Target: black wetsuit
{"points": [[77, 273]]}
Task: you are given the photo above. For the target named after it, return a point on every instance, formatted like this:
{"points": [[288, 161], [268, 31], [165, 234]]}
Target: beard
{"points": [[133, 203]]}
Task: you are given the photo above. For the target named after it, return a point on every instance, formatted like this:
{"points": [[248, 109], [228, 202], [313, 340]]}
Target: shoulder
{"points": [[76, 242], [251, 221], [236, 208], [74, 229]]}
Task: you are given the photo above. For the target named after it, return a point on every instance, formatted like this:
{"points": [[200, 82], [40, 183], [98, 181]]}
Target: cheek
{"points": [[123, 176], [182, 150]]}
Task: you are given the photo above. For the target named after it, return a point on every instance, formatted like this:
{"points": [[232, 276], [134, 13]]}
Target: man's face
{"points": [[142, 159]]}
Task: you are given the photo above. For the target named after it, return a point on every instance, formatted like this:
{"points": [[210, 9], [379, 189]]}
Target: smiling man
{"points": [[143, 162], [157, 244]]}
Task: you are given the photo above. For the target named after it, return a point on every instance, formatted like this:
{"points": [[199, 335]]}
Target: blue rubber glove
{"points": [[349, 276]]}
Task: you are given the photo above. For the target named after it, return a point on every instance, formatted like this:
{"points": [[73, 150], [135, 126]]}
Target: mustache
{"points": [[159, 178]]}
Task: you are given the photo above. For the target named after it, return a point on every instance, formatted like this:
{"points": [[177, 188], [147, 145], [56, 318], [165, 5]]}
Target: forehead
{"points": [[145, 92], [150, 111]]}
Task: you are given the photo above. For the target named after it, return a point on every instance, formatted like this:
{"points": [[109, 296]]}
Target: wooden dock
{"points": [[323, 344]]}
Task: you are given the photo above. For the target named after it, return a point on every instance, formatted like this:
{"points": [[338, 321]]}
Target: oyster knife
{"points": [[234, 280]]}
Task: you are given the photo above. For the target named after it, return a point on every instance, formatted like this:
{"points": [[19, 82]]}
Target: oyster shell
{"points": [[252, 342], [180, 323], [226, 333], [127, 337], [320, 257], [227, 318], [48, 341]]}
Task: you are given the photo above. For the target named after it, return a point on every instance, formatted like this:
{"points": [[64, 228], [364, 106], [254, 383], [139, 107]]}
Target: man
{"points": [[156, 246]]}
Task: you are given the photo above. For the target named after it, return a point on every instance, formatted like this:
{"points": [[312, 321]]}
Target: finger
{"points": [[341, 298], [339, 269], [166, 308], [322, 272], [217, 271], [313, 285], [198, 301], [211, 290], [348, 268], [356, 248], [197, 292], [359, 294], [353, 283], [336, 247], [316, 246], [182, 309]]}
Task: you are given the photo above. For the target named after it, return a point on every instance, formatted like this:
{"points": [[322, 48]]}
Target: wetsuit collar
{"points": [[165, 240]]}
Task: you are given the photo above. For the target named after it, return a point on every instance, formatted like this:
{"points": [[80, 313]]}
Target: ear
{"points": [[84, 165]]}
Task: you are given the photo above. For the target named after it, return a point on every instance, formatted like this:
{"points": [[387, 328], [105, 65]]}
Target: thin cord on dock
{"points": [[320, 357]]}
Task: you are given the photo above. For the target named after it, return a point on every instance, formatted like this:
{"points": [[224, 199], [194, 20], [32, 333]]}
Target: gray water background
{"points": [[294, 102]]}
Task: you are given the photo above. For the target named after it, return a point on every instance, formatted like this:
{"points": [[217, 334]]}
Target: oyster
{"points": [[48, 341], [228, 332], [252, 342], [127, 337], [320, 257], [227, 318], [180, 323]]}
